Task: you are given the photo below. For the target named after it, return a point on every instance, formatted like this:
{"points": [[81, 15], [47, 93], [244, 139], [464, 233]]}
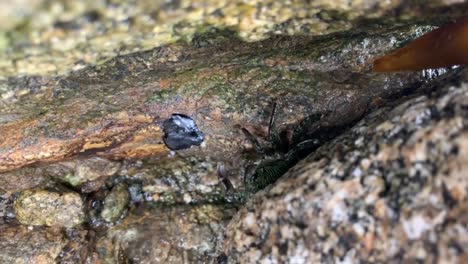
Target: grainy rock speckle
{"points": [[169, 234], [82, 172], [86, 85], [392, 188], [50, 37], [176, 180], [23, 245], [115, 203], [45, 208]]}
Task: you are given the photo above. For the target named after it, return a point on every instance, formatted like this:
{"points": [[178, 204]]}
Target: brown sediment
{"points": [[443, 47]]}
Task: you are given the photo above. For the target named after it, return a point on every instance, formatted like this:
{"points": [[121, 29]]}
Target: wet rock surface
{"points": [[176, 180], [87, 88], [194, 235], [24, 245], [88, 174], [392, 188], [99, 113]]}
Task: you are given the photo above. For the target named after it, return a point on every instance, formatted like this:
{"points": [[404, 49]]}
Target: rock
{"points": [[80, 247], [23, 245], [13, 13], [176, 234], [59, 37], [92, 169], [79, 171], [86, 87], [321, 76], [115, 203], [22, 179], [181, 132], [391, 189], [177, 180], [44, 208]]}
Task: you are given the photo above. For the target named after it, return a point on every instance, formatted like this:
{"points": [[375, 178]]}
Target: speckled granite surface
{"points": [[50, 37], [39, 37], [393, 189]]}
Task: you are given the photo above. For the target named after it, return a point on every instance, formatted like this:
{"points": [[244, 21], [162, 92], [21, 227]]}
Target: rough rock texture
{"points": [[44, 208], [23, 245], [86, 87], [116, 110], [394, 188], [115, 203], [56, 36], [180, 234], [87, 173], [79, 247], [176, 180], [22, 179]]}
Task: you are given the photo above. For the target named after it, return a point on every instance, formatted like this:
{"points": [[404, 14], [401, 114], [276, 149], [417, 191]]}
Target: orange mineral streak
{"points": [[443, 47]]}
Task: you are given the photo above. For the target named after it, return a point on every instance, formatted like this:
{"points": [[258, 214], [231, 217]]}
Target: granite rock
{"points": [[391, 189], [56, 37]]}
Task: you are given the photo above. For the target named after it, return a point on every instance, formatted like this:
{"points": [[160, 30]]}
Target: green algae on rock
{"points": [[44, 208], [177, 180]]}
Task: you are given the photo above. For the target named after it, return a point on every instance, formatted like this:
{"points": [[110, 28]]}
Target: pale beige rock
{"points": [[44, 208]]}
